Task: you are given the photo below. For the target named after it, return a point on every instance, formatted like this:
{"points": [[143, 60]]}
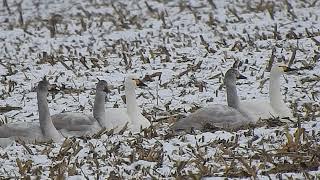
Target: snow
{"points": [[111, 33]]}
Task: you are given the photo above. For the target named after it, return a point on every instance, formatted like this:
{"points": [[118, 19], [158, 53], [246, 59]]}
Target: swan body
{"points": [[72, 124], [118, 117], [28, 132], [218, 115], [138, 123], [80, 124], [275, 107], [258, 109], [132, 114], [31, 132]]}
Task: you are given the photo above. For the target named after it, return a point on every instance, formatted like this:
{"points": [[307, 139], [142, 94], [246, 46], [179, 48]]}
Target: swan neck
{"points": [[99, 107], [46, 125], [232, 96], [274, 90], [132, 105]]}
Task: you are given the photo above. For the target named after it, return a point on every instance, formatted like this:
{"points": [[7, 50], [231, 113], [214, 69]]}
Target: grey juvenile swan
{"points": [[218, 115], [33, 131], [110, 118], [79, 124]]}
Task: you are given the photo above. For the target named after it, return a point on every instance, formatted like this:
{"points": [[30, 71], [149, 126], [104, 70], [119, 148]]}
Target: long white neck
{"points": [[274, 90], [99, 111], [232, 96], [46, 125], [132, 105]]}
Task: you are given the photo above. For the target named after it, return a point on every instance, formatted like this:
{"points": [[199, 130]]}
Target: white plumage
{"points": [[131, 115], [275, 106]]}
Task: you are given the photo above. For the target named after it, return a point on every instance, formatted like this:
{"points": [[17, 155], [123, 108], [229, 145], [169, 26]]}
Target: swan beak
{"points": [[240, 76], [287, 69], [53, 88], [139, 83], [106, 89]]}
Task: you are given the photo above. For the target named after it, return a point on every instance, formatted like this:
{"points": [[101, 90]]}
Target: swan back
{"points": [[216, 115]]}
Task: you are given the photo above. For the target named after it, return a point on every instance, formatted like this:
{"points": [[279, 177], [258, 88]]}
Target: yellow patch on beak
{"points": [[136, 81], [285, 68]]}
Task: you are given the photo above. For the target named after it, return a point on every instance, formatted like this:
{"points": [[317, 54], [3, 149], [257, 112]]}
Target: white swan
{"points": [[218, 115], [275, 106], [80, 124], [31, 132], [132, 114]]}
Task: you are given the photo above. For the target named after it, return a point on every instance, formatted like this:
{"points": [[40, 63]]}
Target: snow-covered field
{"points": [[181, 49]]}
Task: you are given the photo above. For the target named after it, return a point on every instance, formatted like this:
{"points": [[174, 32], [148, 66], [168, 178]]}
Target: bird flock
{"points": [[232, 116]]}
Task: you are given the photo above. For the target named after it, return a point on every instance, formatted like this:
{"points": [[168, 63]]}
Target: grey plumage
{"points": [[218, 115]]}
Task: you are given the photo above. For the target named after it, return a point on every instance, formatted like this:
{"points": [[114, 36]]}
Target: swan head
{"points": [[134, 81], [43, 86], [280, 68], [102, 85], [232, 75]]}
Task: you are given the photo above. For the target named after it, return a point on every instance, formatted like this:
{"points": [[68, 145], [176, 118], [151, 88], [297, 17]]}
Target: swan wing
{"points": [[283, 111], [73, 121], [258, 109], [139, 123], [118, 117], [4, 142], [221, 116], [20, 130], [28, 132]]}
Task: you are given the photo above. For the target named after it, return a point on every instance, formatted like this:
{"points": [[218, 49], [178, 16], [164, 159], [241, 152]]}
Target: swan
{"points": [[218, 115], [80, 124], [109, 118], [275, 106], [31, 132], [130, 116]]}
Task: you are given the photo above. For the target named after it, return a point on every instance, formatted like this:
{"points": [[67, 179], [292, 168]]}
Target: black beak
{"points": [[53, 88], [241, 77], [288, 69], [140, 83], [106, 90]]}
